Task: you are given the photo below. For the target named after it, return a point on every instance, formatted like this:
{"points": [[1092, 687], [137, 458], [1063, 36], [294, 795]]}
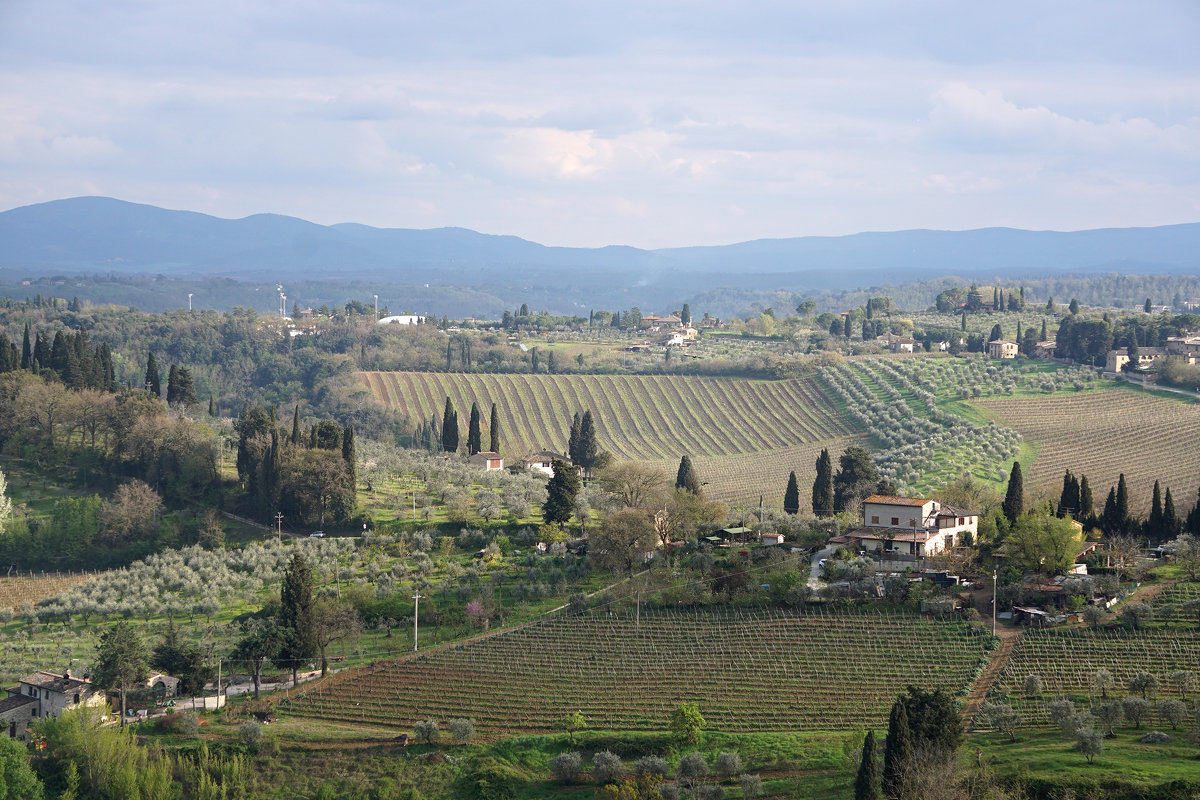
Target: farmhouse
{"points": [[1045, 349], [543, 461], [912, 526], [488, 460], [45, 694], [1117, 359], [1002, 348]]}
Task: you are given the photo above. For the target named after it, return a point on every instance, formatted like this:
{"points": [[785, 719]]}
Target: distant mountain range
{"points": [[99, 235]]}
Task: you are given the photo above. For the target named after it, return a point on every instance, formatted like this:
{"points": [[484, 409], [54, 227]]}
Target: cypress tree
{"points": [[26, 349], [1170, 517], [822, 493], [474, 435], [897, 751], [1044, 334], [296, 425], [1192, 523], [1108, 518], [573, 439], [212, 407], [963, 323], [560, 493], [1068, 501], [791, 496], [296, 614], [847, 326], [1014, 498], [1087, 508], [997, 333], [1001, 308], [350, 456], [685, 316], [1122, 507], [1154, 525], [153, 380], [686, 477], [866, 783], [173, 385], [449, 428], [494, 430], [589, 448]]}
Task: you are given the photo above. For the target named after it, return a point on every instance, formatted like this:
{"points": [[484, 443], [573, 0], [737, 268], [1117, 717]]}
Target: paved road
{"points": [[814, 578]]}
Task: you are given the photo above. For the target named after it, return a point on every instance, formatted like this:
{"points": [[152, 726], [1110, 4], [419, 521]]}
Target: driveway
{"points": [[814, 578]]}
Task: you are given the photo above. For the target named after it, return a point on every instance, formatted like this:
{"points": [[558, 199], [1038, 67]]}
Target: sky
{"points": [[644, 123]]}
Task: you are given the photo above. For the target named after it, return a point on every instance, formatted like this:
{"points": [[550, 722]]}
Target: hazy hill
{"points": [[98, 235]]}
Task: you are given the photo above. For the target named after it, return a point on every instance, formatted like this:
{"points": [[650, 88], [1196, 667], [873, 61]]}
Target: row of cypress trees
{"points": [[450, 431], [69, 354]]}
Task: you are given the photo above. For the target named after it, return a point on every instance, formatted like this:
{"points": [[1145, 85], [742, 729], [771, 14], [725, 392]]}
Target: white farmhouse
{"points": [[913, 526]]}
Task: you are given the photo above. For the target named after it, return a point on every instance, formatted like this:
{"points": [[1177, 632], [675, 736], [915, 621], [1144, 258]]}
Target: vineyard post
{"points": [[416, 617], [995, 575]]}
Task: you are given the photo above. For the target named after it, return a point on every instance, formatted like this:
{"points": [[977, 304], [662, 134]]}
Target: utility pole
{"points": [[279, 525], [416, 617], [995, 574], [190, 300], [377, 308]]}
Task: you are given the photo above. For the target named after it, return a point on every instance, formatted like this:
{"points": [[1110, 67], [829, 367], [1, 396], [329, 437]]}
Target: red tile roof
{"points": [[888, 500]]}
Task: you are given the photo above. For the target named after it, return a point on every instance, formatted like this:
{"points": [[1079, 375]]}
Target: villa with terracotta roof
{"points": [[913, 526]]}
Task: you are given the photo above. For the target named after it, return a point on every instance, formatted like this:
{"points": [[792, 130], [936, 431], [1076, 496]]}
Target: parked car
{"points": [[317, 535]]}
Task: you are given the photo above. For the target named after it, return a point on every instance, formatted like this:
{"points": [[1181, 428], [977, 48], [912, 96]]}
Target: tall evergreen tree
{"points": [[686, 477], [962, 325], [450, 428], [997, 333], [296, 615], [897, 751], [1087, 508], [350, 456], [1170, 517], [153, 380], [474, 434], [296, 426], [494, 430], [1154, 524], [866, 783], [1108, 518], [1068, 501], [822, 491], [685, 316], [1122, 507], [560, 493], [212, 406], [857, 477], [791, 495], [1014, 498], [26, 349], [589, 448], [1192, 523], [573, 439], [172, 384]]}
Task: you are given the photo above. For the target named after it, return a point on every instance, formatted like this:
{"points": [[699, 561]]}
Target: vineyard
{"points": [[778, 425], [1102, 434], [749, 670], [1066, 660], [18, 590]]}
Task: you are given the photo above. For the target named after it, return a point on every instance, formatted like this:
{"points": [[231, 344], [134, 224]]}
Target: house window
{"points": [[12, 729], [33, 712], [962, 520], [875, 520], [895, 520]]}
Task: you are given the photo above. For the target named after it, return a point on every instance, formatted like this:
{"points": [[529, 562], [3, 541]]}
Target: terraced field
{"points": [[1102, 434], [749, 670], [771, 426]]}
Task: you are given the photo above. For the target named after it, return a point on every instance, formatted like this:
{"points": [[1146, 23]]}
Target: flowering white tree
{"points": [[5, 502]]}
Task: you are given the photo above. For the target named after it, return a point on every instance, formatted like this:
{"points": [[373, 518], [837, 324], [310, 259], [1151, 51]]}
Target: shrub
{"points": [[606, 766], [427, 731], [752, 787], [650, 765], [251, 734], [463, 730], [1155, 737], [565, 766], [728, 764]]}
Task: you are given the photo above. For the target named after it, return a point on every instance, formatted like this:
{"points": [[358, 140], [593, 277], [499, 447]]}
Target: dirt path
{"points": [[1009, 637]]}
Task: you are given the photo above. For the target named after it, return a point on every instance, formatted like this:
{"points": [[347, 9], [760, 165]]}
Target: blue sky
{"points": [[644, 123]]}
